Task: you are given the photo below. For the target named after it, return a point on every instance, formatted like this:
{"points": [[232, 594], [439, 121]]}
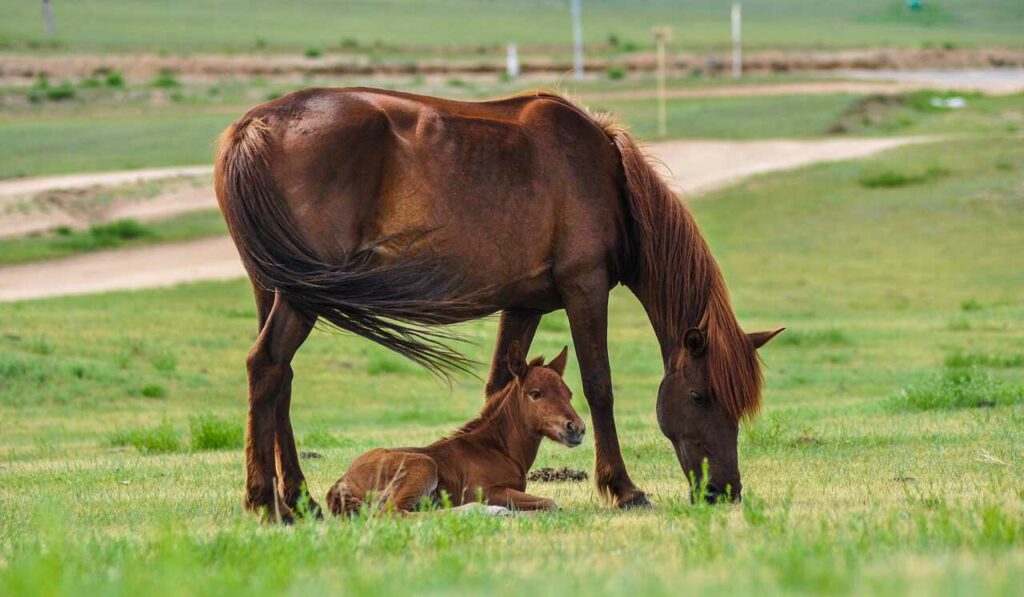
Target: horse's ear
{"points": [[759, 339], [559, 362], [695, 341], [516, 360]]}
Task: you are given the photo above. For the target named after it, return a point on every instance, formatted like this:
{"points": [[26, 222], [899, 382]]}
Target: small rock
{"points": [[307, 454]]}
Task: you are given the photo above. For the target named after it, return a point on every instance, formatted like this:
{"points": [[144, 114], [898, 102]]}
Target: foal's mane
{"points": [[678, 279], [494, 403]]}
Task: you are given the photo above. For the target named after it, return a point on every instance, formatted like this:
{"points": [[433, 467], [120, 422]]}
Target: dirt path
{"points": [[696, 167]]}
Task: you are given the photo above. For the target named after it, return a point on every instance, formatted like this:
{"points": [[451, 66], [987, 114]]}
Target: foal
{"points": [[486, 458]]}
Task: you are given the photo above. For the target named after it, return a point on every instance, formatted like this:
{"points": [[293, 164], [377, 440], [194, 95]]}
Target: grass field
{"points": [[888, 458], [400, 26]]}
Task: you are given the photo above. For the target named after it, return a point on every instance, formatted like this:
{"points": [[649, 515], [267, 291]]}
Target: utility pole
{"points": [[577, 40], [737, 58], [662, 35], [48, 18]]}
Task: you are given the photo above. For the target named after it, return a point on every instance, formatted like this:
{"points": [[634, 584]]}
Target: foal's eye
{"points": [[698, 397], [535, 394]]}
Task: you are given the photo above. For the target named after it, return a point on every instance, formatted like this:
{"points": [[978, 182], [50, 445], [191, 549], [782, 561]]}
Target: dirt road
{"points": [[696, 167]]}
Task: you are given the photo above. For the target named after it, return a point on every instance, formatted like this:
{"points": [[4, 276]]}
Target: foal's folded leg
{"points": [[414, 477], [518, 500]]}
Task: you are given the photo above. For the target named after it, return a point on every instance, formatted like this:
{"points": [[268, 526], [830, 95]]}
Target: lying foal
{"points": [[486, 458]]}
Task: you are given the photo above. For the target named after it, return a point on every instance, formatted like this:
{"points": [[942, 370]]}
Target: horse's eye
{"points": [[535, 394], [697, 396]]}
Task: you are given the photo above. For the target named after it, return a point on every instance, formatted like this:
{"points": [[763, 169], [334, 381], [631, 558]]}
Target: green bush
{"points": [[312, 53], [162, 439], [210, 432], [954, 389], [114, 79], [154, 390], [165, 80], [616, 72], [893, 179]]}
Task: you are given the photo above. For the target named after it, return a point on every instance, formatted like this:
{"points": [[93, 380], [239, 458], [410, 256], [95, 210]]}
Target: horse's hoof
{"points": [[637, 500]]}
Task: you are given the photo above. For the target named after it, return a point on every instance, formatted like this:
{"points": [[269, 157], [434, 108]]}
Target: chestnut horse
{"points": [[486, 458], [387, 214]]}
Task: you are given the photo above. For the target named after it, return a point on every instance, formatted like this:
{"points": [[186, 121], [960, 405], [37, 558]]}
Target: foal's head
{"points": [[543, 398]]}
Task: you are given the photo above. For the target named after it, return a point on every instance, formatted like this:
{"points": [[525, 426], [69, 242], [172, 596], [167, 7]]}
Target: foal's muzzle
{"points": [[573, 433]]}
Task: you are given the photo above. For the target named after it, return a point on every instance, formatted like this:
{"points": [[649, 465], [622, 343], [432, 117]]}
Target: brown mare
{"points": [[486, 458], [385, 213]]}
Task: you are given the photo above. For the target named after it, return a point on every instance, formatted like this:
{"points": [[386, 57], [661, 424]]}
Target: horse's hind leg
{"points": [[515, 326], [415, 478], [270, 375]]}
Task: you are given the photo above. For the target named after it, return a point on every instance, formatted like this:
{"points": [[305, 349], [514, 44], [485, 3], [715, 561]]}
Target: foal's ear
{"points": [[559, 362], [759, 339], [516, 360]]}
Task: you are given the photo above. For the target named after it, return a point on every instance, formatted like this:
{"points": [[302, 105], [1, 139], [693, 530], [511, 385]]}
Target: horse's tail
{"points": [[341, 501], [388, 303]]}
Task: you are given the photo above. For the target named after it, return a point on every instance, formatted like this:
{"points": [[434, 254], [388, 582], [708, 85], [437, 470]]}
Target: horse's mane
{"points": [[679, 280]]}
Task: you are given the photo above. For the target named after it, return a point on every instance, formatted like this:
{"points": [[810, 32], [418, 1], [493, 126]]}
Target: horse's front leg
{"points": [[513, 499], [270, 376], [586, 303], [515, 326]]}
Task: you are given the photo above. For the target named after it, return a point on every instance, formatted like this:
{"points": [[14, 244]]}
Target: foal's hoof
{"points": [[499, 511], [637, 499]]}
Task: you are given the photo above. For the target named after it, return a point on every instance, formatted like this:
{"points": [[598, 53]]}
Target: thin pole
{"points": [[577, 40], [512, 61], [48, 18], [662, 110], [737, 58], [662, 35]]}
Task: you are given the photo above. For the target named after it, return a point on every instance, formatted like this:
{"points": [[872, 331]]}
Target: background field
{"points": [[409, 26], [898, 278]]}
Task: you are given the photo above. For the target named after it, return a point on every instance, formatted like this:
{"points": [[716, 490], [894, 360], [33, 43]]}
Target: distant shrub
{"points": [[90, 83], [894, 179], [970, 305], [162, 439], [62, 230], [120, 230], [312, 52], [956, 389], [114, 79], [960, 359], [260, 43], [613, 40], [210, 432], [616, 72], [154, 390], [61, 92], [165, 79]]}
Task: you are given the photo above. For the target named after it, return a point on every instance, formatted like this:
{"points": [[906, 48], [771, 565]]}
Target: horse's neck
{"points": [[506, 433]]}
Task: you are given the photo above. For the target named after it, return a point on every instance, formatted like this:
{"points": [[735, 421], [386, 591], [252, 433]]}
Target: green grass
{"points": [[469, 26], [64, 242], [843, 495]]}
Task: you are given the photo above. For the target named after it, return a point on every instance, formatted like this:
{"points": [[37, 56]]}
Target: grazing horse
{"points": [[486, 458], [388, 214]]}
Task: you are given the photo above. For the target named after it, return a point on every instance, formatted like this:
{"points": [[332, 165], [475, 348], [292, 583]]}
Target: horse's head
{"points": [[701, 422], [544, 399]]}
